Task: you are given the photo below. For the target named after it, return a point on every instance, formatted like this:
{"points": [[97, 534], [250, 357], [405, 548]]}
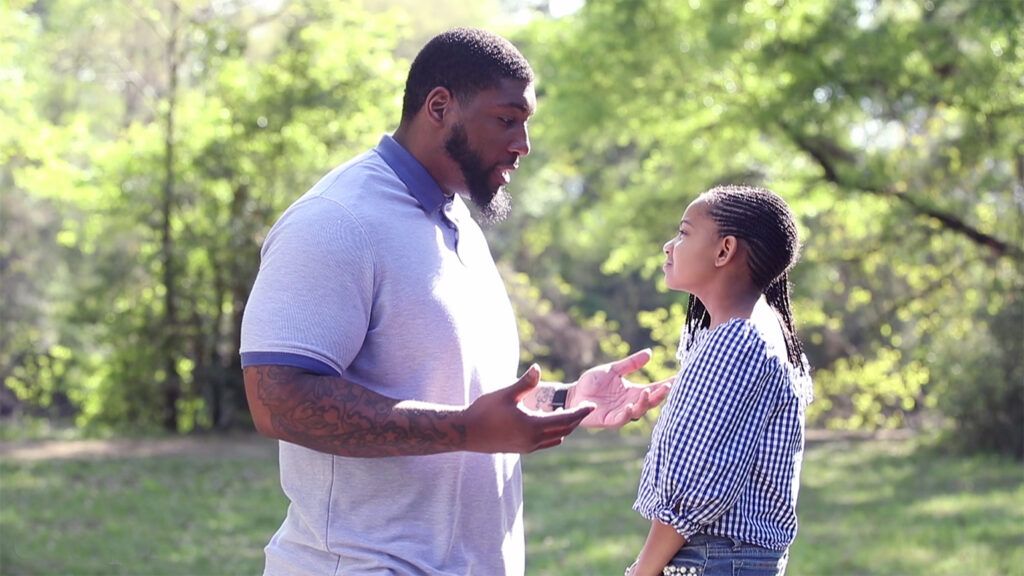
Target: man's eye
{"points": [[506, 121]]}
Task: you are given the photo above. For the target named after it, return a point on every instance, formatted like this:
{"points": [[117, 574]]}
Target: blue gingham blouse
{"points": [[725, 455]]}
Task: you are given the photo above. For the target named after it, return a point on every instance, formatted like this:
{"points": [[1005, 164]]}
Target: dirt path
{"points": [[234, 446], [254, 446]]}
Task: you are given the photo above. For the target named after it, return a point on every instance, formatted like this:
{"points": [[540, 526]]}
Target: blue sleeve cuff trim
{"points": [[286, 359]]}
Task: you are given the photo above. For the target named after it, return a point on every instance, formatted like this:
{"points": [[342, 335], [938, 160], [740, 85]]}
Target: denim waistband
{"points": [[713, 543], [708, 540]]}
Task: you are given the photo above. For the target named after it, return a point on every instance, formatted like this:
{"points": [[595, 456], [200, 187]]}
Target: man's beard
{"points": [[494, 204]]}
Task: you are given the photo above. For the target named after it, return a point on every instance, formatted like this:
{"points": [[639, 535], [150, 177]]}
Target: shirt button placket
{"points": [[448, 216]]}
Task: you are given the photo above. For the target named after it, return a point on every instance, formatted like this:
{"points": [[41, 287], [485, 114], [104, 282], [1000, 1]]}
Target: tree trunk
{"points": [[172, 383]]}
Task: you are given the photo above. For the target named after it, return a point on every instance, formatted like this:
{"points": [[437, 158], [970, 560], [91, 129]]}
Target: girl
{"points": [[720, 479]]}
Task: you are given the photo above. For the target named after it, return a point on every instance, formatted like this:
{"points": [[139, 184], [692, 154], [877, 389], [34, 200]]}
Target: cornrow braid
{"points": [[763, 221], [697, 316], [777, 295]]}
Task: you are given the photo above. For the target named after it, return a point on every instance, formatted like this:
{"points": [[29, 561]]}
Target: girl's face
{"points": [[690, 255]]}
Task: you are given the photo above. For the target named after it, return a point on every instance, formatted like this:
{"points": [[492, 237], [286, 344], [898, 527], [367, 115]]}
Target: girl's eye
{"points": [[506, 121]]}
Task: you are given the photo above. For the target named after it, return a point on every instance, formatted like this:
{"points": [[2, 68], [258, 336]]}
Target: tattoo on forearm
{"points": [[335, 416], [544, 396]]}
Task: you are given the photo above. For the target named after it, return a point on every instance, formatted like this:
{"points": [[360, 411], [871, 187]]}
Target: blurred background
{"points": [[146, 146]]}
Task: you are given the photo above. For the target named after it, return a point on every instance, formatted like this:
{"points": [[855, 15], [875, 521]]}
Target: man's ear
{"points": [[728, 250], [439, 103]]}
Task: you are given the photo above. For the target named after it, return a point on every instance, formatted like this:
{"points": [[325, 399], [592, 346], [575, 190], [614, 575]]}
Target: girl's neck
{"points": [[726, 306]]}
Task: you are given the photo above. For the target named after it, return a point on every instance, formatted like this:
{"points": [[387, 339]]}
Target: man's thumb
{"points": [[527, 382]]}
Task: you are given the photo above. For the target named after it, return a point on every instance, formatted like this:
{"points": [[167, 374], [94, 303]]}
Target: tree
{"points": [[163, 210], [894, 129]]}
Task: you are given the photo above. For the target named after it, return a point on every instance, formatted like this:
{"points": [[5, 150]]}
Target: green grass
{"points": [[902, 508], [172, 515], [873, 507], [866, 507]]}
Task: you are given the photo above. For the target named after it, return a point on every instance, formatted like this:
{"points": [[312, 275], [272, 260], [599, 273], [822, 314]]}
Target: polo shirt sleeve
{"points": [[705, 454], [311, 302]]}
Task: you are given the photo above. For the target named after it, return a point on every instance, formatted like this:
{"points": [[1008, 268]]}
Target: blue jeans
{"points": [[715, 556]]}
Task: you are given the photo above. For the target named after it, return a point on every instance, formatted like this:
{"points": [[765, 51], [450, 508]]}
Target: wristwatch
{"points": [[558, 398]]}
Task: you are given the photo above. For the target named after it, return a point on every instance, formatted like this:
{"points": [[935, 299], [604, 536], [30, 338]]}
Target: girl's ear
{"points": [[728, 247]]}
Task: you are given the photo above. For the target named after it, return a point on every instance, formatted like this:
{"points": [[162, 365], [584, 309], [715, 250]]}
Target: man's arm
{"points": [[332, 415]]}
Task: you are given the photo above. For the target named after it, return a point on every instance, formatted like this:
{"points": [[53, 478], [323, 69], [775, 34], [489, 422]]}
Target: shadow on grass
{"points": [[905, 508]]}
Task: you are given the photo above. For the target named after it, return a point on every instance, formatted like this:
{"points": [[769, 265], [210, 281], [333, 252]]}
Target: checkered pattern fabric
{"points": [[725, 455]]}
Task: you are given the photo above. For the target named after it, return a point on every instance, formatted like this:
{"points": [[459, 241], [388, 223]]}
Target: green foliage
{"points": [[858, 393], [666, 325], [985, 395], [562, 341], [160, 210], [893, 129], [133, 207]]}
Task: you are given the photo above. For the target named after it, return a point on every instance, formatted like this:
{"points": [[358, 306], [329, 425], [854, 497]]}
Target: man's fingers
{"points": [[526, 383], [642, 405], [564, 419], [561, 431], [620, 417], [631, 363], [568, 421], [555, 428], [658, 393], [549, 443]]}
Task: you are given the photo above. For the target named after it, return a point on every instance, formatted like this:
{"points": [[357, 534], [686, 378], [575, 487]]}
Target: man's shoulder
{"points": [[358, 181], [364, 189]]}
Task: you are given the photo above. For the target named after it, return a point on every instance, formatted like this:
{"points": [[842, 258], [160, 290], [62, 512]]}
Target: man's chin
{"points": [[495, 207]]}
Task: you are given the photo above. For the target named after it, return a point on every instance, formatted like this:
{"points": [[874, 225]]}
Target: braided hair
{"points": [[763, 221]]}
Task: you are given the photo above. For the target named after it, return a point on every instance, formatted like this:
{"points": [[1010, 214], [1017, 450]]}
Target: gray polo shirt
{"points": [[374, 275]]}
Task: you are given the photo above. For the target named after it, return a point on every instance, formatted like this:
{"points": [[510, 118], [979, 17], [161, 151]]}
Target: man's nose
{"points": [[521, 144]]}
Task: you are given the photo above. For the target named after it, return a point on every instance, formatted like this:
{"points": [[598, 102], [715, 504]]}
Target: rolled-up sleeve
{"points": [[704, 444]]}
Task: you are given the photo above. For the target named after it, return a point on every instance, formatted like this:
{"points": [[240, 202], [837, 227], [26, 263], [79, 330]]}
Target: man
{"points": [[380, 347]]}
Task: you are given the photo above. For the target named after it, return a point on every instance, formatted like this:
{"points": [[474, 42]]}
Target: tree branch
{"points": [[829, 155]]}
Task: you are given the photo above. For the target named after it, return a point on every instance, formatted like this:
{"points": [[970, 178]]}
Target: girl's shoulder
{"points": [[735, 337], [736, 333], [759, 341]]}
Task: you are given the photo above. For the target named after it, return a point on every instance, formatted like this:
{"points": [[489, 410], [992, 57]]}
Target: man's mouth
{"points": [[506, 170]]}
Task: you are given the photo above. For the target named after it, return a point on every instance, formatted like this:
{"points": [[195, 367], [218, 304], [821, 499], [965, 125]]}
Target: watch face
{"points": [[558, 400]]}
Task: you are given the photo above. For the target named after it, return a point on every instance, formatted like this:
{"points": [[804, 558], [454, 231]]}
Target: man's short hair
{"points": [[465, 61]]}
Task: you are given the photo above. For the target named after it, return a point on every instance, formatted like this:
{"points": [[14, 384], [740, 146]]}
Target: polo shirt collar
{"points": [[420, 183]]}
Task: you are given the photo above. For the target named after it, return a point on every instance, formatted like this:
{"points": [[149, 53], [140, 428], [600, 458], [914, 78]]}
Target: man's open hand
{"points": [[618, 401], [496, 423]]}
